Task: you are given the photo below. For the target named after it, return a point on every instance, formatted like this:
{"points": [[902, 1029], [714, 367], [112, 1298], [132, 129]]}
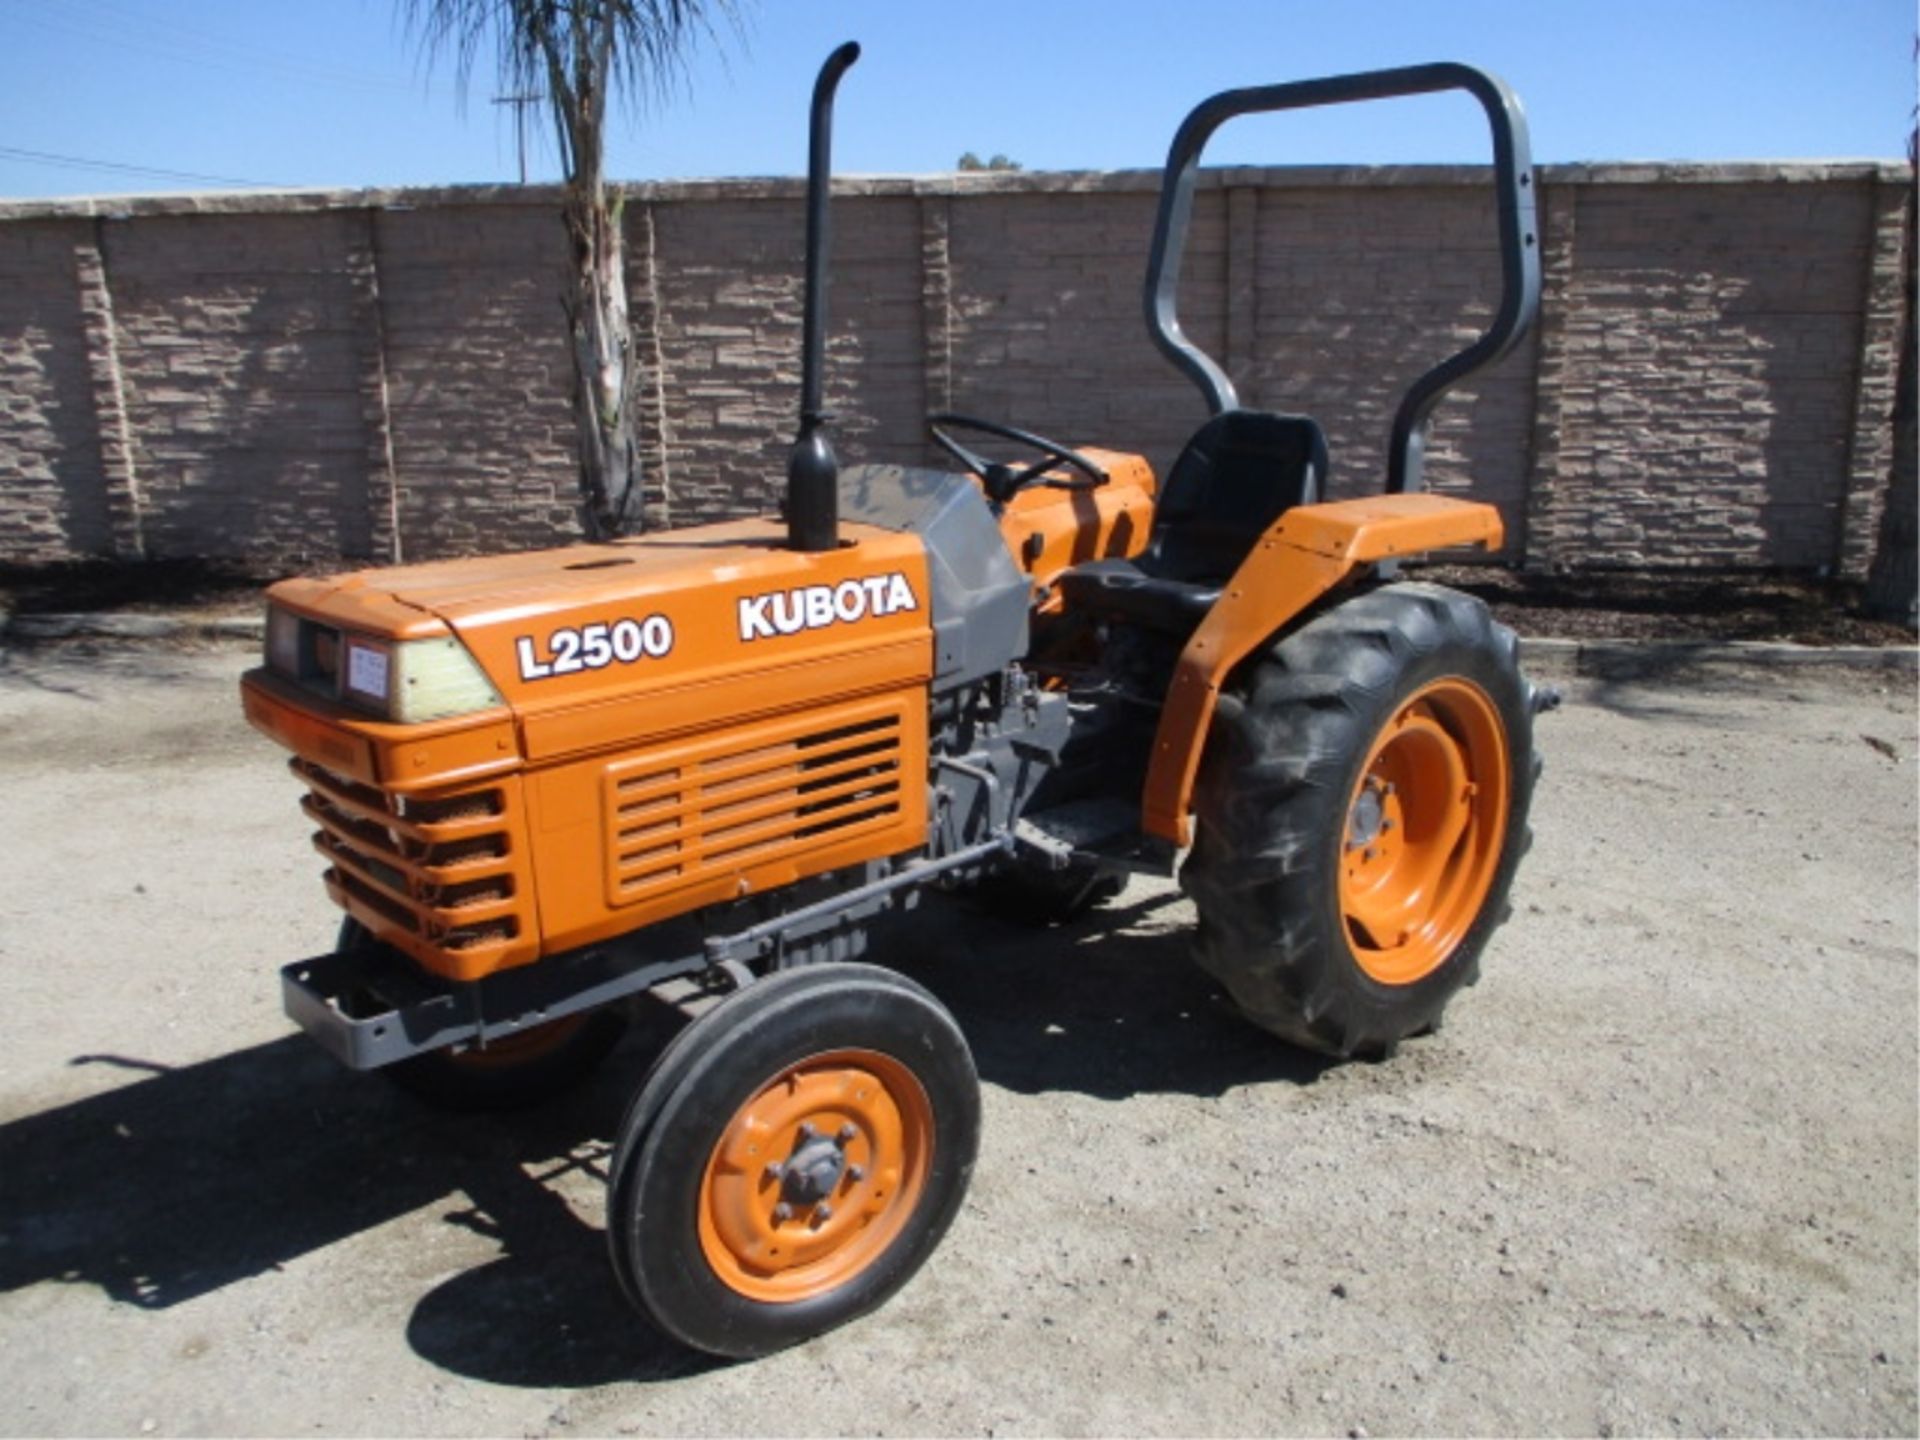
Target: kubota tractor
{"points": [[703, 761]]}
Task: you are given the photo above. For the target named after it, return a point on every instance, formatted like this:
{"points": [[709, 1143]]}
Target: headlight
{"points": [[410, 681], [435, 679]]}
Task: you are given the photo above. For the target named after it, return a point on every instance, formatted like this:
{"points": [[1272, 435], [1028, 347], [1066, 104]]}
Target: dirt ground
{"points": [[1657, 1174]]}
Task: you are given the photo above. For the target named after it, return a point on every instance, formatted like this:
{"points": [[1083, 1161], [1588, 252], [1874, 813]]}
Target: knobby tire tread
{"points": [[1288, 739]]}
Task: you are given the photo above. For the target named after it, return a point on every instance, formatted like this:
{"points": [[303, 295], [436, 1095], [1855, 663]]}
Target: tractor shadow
{"points": [[1108, 1005], [185, 1181], [190, 1180]]}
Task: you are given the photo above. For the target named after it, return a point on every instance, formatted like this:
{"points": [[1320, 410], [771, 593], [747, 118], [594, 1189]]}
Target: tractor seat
{"points": [[1240, 472]]}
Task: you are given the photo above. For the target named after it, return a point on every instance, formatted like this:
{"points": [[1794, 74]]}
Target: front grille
{"points": [[689, 813], [443, 870]]}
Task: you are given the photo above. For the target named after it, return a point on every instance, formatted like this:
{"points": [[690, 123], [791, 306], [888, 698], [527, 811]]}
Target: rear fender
{"points": [[1308, 552]]}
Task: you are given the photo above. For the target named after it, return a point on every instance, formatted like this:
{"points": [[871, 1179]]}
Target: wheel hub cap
{"points": [[815, 1175], [810, 1174], [1368, 812]]}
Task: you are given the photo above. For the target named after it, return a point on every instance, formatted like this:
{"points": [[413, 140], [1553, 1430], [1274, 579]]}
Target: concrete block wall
{"points": [[235, 346], [1712, 351], [729, 340], [53, 497], [478, 377], [306, 380], [1358, 291], [1045, 316]]}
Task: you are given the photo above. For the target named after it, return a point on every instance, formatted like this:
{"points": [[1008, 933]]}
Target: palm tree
{"points": [[577, 52]]}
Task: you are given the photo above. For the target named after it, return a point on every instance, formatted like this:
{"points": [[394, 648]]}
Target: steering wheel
{"points": [[1004, 481]]}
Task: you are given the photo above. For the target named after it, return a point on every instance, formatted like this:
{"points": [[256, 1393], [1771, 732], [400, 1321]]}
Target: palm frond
{"points": [[579, 52]]}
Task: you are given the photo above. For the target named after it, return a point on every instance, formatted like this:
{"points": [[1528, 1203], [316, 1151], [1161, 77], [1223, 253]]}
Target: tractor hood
{"points": [[668, 631], [656, 633]]}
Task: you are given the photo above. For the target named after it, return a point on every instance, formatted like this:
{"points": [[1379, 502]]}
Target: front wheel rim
{"points": [[1425, 825], [815, 1176]]}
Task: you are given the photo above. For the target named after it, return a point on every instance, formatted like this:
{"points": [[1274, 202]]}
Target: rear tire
{"points": [[1362, 805], [794, 1157]]}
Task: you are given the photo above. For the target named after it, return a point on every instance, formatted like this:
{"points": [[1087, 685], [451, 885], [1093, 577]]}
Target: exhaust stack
{"points": [[813, 475]]}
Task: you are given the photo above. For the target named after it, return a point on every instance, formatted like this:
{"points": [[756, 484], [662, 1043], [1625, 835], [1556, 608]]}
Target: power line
{"points": [[520, 101], [43, 157]]}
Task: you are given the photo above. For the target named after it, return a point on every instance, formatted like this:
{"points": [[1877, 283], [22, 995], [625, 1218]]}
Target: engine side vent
{"points": [[687, 814]]}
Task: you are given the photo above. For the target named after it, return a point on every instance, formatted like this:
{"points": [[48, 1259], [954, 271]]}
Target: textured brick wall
{"points": [[303, 379], [1358, 292], [1711, 351], [235, 344], [728, 278], [1046, 321], [477, 375], [52, 495]]}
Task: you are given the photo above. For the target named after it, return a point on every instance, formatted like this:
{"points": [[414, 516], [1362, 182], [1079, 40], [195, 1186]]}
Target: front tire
{"points": [[794, 1157], [1362, 805]]}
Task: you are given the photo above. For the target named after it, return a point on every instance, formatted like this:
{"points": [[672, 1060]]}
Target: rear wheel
{"points": [[1362, 805], [794, 1157]]}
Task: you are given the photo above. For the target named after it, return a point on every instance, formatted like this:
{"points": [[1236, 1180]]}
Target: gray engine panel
{"points": [[980, 596]]}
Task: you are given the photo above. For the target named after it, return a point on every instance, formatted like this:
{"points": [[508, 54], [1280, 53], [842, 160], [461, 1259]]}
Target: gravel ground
{"points": [[1658, 1173]]}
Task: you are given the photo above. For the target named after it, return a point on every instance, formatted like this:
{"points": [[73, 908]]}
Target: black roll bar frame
{"points": [[1519, 236]]}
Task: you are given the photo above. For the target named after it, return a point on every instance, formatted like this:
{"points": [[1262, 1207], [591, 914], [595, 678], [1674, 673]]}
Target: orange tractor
{"points": [[704, 761]]}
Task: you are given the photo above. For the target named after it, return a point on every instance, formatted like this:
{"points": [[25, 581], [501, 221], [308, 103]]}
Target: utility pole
{"points": [[520, 101]]}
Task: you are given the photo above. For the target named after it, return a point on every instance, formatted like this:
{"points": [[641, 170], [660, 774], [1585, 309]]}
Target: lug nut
{"points": [[807, 1132], [774, 1170], [847, 1132], [856, 1173], [822, 1213], [782, 1211]]}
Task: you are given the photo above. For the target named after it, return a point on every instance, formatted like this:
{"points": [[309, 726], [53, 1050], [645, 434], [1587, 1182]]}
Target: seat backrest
{"points": [[1236, 476]]}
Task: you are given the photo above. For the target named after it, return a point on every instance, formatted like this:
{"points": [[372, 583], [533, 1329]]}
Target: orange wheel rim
{"points": [[815, 1176], [1424, 828]]}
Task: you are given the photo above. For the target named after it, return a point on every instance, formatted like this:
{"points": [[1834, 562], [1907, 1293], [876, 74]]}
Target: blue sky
{"points": [[330, 92]]}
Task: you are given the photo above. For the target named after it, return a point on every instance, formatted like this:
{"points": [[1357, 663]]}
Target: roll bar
{"points": [[1519, 236]]}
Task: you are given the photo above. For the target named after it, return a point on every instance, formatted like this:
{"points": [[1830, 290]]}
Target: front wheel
{"points": [[1361, 807], [794, 1157]]}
